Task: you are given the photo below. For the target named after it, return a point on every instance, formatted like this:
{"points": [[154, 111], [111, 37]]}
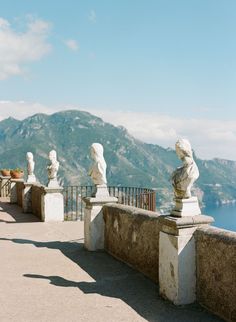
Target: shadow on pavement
{"points": [[12, 214], [117, 280]]}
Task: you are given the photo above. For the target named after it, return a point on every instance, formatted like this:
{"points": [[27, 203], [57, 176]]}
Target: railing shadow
{"points": [[117, 280], [12, 213]]}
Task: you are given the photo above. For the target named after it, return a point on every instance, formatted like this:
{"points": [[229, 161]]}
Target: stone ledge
{"points": [[217, 233], [5, 177], [98, 201], [133, 210], [29, 184], [182, 222], [173, 225], [51, 190], [17, 180]]}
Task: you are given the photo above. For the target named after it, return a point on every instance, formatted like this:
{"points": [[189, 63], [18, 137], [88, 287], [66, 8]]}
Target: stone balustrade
{"points": [[44, 202], [189, 260]]}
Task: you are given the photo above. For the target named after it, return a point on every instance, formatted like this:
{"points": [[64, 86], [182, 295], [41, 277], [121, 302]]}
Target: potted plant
{"points": [[17, 173], [5, 172]]}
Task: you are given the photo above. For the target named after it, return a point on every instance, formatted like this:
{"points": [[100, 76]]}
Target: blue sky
{"points": [[161, 68]]}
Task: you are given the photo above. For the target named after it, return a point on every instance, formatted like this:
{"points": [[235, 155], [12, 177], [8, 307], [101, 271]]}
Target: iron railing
{"points": [[5, 184], [144, 198]]}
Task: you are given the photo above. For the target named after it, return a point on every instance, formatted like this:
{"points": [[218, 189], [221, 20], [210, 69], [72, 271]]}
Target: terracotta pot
{"points": [[5, 173], [16, 174]]}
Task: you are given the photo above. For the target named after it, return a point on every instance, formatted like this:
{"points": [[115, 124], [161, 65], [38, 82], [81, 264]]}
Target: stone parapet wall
{"points": [[216, 271], [37, 192], [132, 236]]}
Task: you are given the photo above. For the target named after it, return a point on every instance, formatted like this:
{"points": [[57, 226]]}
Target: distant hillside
{"points": [[130, 161]]}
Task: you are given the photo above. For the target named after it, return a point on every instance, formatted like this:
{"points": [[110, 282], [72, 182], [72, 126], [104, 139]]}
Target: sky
{"points": [[162, 68]]}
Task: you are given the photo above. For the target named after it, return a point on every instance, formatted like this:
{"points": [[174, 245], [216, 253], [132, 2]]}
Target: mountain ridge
{"points": [[130, 161]]}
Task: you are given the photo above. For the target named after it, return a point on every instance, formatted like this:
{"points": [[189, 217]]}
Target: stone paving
{"points": [[47, 275]]}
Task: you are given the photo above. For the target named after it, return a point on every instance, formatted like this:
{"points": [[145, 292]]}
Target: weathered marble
{"points": [[184, 176], [98, 171], [186, 207], [52, 169], [30, 167], [182, 181]]}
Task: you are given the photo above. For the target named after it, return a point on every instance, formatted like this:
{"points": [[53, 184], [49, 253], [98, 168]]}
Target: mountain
{"points": [[130, 162]]}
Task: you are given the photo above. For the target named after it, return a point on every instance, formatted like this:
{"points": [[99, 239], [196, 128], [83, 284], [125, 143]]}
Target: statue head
{"points": [[29, 156], [96, 151], [52, 155], [183, 148]]}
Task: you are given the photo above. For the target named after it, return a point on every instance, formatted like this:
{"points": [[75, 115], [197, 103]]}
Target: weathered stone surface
{"points": [[19, 191], [177, 271], [98, 169], [52, 204], [36, 196], [186, 207], [216, 271], [132, 235], [184, 176], [177, 257], [30, 167], [13, 194], [94, 222], [52, 169]]}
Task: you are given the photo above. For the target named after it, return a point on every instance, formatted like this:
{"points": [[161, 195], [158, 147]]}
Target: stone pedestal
{"points": [[177, 266], [31, 178], [101, 191], [53, 183], [13, 192], [52, 204], [94, 222], [5, 186], [186, 207]]}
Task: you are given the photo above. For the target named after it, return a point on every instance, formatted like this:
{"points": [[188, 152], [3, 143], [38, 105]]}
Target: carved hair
{"points": [[98, 150], [185, 147], [53, 154], [29, 155]]}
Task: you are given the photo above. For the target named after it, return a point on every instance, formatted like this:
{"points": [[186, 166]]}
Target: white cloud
{"points": [[209, 138], [21, 109], [92, 16], [20, 48], [72, 44]]}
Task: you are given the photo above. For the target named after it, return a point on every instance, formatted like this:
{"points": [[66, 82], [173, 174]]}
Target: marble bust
{"points": [[98, 169], [184, 176], [30, 167], [52, 169]]}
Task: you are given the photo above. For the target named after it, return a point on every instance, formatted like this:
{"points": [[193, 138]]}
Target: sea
{"points": [[225, 216]]}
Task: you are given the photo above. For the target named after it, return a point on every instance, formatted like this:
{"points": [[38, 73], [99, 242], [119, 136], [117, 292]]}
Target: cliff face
{"points": [[130, 161]]}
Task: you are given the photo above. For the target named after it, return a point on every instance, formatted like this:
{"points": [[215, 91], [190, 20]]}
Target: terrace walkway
{"points": [[46, 275]]}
